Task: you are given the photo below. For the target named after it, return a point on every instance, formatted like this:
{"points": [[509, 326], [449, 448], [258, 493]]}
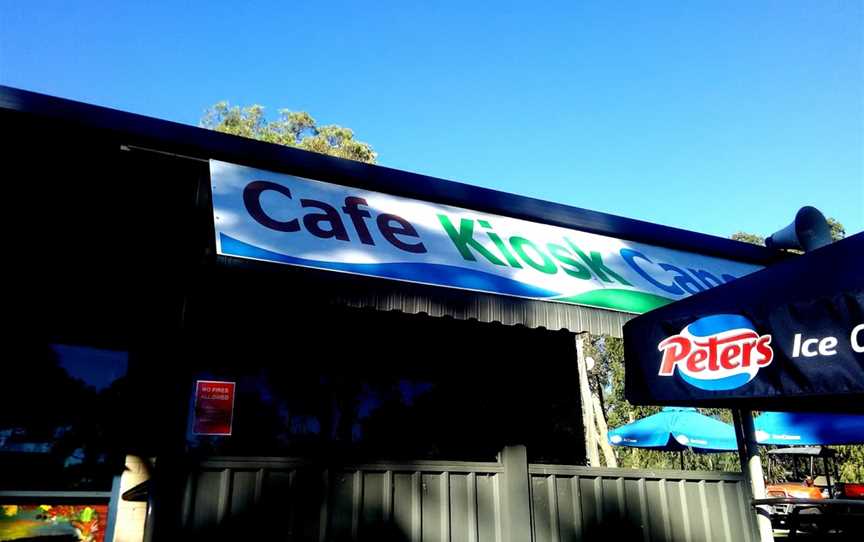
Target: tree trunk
{"points": [[603, 430], [585, 398]]}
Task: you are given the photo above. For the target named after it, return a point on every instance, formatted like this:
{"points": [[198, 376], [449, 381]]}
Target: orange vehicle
{"points": [[808, 472], [794, 490]]}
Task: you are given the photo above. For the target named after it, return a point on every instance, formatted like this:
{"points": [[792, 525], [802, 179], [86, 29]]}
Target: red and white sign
{"points": [[214, 407]]}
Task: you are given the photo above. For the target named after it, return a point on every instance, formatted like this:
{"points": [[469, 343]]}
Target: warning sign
{"points": [[214, 407]]}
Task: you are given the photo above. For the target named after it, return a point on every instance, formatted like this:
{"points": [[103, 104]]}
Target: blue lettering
{"points": [[683, 279], [630, 256], [708, 279]]}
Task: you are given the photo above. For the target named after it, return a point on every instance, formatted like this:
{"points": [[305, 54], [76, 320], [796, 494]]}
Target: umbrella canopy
{"points": [[676, 429], [786, 338], [809, 428]]}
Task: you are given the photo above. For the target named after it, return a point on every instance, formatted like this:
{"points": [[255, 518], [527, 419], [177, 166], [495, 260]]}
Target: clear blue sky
{"points": [[710, 116]]}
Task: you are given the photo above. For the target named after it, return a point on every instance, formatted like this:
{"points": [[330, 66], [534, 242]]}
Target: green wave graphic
{"points": [[621, 300]]}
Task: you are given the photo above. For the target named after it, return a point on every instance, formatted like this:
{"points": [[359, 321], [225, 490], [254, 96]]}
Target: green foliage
{"points": [[751, 238], [850, 463], [292, 128], [838, 231]]}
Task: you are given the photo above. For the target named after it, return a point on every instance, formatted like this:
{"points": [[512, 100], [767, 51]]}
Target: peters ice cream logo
{"points": [[719, 352]]}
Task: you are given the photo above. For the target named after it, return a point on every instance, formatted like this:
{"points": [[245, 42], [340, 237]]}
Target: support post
{"points": [[751, 466], [603, 433], [586, 401], [516, 494]]}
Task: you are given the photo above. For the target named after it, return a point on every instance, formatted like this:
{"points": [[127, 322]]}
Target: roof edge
{"points": [[192, 141]]}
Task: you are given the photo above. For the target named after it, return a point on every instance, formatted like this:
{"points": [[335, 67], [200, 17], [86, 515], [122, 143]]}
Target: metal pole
{"points": [[751, 466], [586, 400]]}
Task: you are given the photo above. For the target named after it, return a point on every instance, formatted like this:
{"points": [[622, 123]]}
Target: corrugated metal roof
{"points": [[489, 308], [316, 288]]}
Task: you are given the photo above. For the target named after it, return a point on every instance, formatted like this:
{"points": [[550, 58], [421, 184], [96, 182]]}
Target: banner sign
{"points": [[280, 218], [790, 337], [214, 408]]}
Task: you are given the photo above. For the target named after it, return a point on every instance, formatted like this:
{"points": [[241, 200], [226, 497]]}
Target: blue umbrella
{"points": [[676, 429], [809, 428]]}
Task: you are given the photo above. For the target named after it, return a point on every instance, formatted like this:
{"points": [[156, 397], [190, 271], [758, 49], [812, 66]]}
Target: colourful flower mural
{"points": [[85, 523]]}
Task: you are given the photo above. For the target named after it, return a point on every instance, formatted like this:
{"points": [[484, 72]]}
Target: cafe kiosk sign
{"points": [[273, 217]]}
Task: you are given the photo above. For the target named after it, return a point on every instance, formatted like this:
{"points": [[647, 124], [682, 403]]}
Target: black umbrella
{"points": [[789, 337]]}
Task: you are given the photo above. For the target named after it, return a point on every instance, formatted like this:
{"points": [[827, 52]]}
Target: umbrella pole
{"points": [[751, 467], [681, 457]]}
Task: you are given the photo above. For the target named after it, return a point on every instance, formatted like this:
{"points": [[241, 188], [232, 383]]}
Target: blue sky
{"points": [[710, 116]]}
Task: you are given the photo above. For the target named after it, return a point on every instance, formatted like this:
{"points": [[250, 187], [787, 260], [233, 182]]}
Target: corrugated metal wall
{"points": [[456, 501], [416, 501], [577, 503]]}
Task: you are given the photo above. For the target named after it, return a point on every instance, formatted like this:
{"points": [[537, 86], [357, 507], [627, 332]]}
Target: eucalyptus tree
{"points": [[291, 128]]}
